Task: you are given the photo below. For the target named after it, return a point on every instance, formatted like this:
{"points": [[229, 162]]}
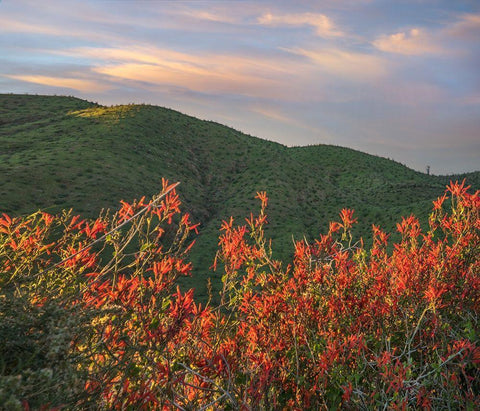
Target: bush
{"points": [[106, 327]]}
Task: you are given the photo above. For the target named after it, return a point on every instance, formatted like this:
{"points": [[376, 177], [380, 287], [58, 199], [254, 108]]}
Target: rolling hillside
{"points": [[62, 152]]}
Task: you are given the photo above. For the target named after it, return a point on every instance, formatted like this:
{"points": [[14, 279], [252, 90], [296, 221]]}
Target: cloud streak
{"points": [[72, 83], [466, 27], [348, 65], [232, 74], [322, 24]]}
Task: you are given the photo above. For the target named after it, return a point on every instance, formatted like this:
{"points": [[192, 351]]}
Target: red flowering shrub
{"points": [[111, 307], [341, 326], [346, 326]]}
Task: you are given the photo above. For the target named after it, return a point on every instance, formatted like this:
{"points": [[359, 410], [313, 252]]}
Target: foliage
{"points": [[343, 325], [79, 323]]}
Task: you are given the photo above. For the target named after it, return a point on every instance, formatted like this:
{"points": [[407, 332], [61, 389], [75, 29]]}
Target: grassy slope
{"points": [[64, 152]]}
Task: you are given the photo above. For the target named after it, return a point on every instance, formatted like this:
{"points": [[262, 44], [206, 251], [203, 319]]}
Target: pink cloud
{"points": [[187, 76], [277, 115], [467, 27], [15, 26], [63, 82], [353, 66], [322, 24], [248, 75], [412, 42], [211, 16]]}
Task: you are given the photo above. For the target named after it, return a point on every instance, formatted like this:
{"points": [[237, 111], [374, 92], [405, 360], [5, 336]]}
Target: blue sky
{"points": [[400, 79]]}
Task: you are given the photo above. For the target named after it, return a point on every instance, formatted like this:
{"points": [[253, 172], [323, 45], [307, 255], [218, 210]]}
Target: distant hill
{"points": [[62, 152]]}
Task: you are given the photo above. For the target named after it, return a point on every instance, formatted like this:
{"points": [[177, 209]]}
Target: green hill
{"points": [[62, 152]]}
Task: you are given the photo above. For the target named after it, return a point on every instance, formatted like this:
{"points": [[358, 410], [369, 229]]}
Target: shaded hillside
{"points": [[59, 152]]}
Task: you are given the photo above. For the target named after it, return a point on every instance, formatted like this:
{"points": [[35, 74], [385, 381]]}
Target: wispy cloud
{"points": [[232, 74], [189, 77], [466, 27], [412, 42], [215, 16], [248, 75], [15, 26], [255, 64], [353, 66], [52, 30], [321, 23], [278, 115], [63, 82], [274, 117]]}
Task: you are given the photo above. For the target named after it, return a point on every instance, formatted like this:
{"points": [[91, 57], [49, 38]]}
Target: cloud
{"points": [[205, 73], [323, 25], [13, 26], [272, 114], [56, 31], [63, 82], [413, 93], [348, 65], [143, 55], [412, 42], [255, 75], [466, 28], [278, 75], [210, 16], [277, 115], [263, 65], [186, 76]]}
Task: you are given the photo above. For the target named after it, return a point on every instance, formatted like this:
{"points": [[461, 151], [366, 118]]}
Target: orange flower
{"points": [[347, 218]]}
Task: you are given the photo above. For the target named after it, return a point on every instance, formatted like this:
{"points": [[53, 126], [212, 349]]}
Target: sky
{"points": [[398, 78]]}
